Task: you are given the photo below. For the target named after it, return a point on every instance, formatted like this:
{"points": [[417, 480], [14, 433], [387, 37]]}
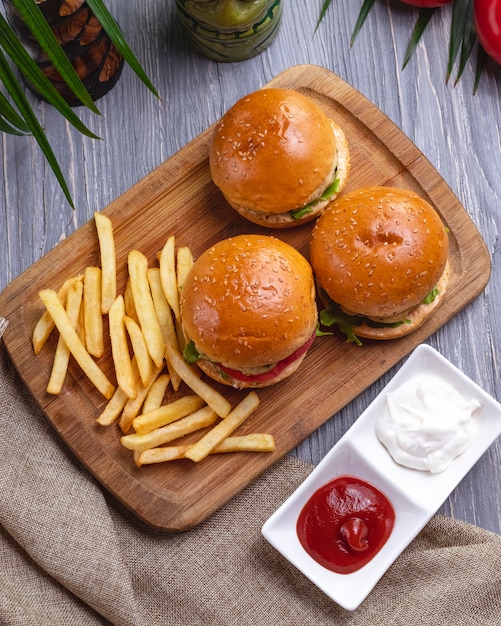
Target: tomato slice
{"points": [[274, 372]]}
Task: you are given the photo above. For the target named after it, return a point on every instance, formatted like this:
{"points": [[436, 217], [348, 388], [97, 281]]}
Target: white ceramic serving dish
{"points": [[415, 495]]}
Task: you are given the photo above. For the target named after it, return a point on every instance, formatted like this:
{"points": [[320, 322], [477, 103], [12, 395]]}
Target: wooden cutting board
{"points": [[179, 198]]}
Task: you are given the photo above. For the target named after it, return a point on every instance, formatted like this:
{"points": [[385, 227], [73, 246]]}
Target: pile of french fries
{"points": [[146, 343]]}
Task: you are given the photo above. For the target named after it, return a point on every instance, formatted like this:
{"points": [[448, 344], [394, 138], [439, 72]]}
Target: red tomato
{"points": [[487, 14], [273, 373], [428, 4]]}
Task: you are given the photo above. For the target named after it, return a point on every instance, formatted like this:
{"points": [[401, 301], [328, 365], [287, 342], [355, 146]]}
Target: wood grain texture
{"points": [[179, 198], [458, 132]]}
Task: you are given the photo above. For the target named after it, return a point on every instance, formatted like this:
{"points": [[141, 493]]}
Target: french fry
{"points": [[130, 309], [181, 340], [144, 363], [108, 261], [43, 330], [255, 442], [200, 419], [171, 412], [212, 397], [45, 324], [148, 321], [120, 348], [204, 446], [62, 354], [106, 240], [183, 265], [93, 320], [117, 402], [167, 262], [133, 405], [156, 394], [135, 456], [159, 455], [113, 408], [148, 314], [164, 314], [81, 324], [89, 366]]}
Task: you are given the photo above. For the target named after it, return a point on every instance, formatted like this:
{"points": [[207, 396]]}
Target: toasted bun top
{"points": [[378, 251], [249, 301], [273, 151]]}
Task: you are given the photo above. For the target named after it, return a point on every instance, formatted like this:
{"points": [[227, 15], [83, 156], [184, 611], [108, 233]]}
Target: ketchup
{"points": [[345, 523]]}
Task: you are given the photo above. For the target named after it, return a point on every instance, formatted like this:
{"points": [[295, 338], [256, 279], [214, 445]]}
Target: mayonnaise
{"points": [[426, 423]]}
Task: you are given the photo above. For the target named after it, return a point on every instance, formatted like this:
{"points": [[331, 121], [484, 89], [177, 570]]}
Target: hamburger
{"points": [[248, 311], [380, 258], [278, 158]]}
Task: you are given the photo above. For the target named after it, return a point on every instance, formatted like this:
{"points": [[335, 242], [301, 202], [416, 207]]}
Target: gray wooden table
{"points": [[459, 133]]}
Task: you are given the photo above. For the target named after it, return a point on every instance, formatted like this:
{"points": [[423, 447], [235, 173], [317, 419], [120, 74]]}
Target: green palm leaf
{"points": [[323, 11], [17, 94], [424, 17], [364, 12], [115, 34], [34, 75], [24, 121], [469, 39], [463, 35], [481, 61], [5, 127], [10, 121]]}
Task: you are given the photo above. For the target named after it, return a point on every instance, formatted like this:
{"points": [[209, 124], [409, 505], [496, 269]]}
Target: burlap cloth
{"points": [[70, 554]]}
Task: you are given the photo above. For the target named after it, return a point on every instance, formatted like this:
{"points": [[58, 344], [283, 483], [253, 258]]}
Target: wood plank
{"points": [[179, 198]]}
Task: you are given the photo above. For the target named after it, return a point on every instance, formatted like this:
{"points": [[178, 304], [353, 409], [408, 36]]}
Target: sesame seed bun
{"points": [[276, 151], [247, 304], [378, 252]]}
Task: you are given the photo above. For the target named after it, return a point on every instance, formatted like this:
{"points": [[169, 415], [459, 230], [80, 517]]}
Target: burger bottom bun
{"points": [[416, 317], [285, 220], [213, 371]]}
